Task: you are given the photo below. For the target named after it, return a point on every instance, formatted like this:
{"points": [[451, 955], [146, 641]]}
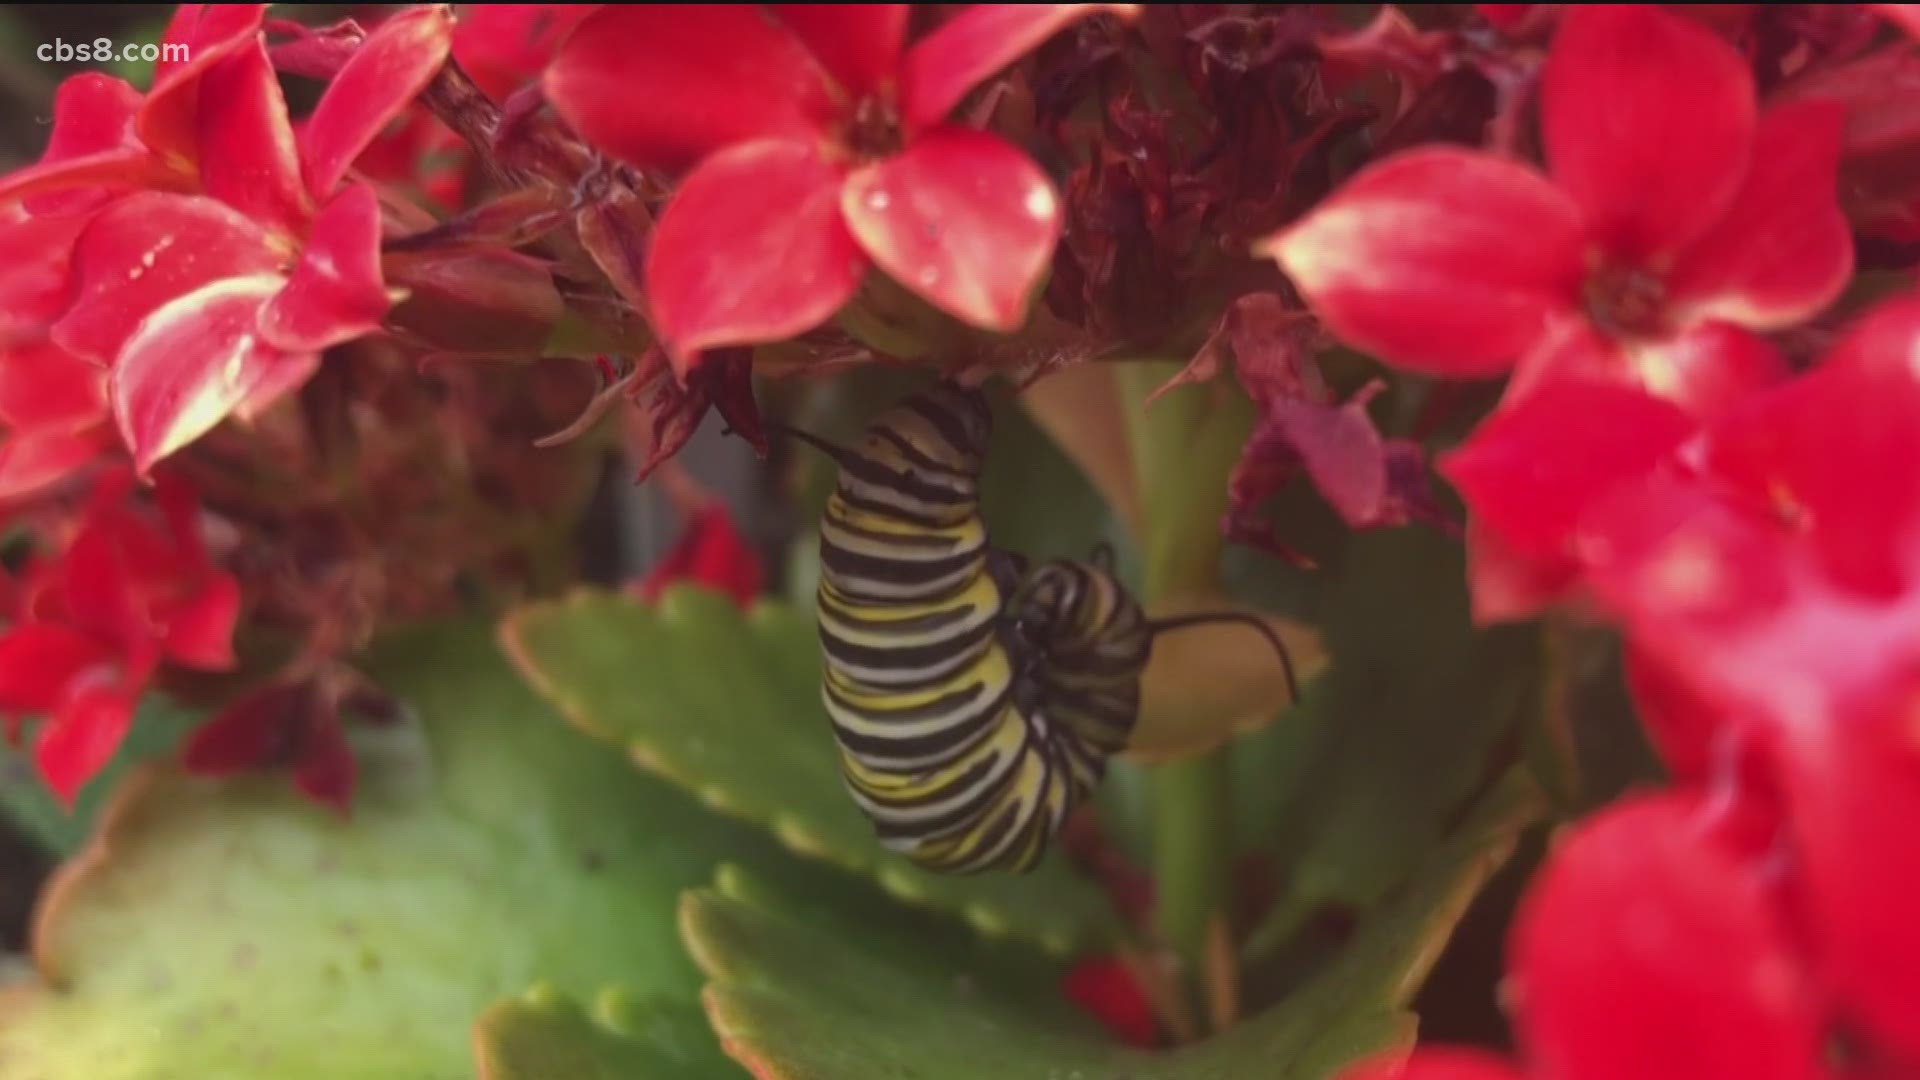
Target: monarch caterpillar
{"points": [[975, 697]]}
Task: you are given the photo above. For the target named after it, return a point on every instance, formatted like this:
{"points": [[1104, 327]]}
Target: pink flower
{"points": [[222, 254], [126, 594], [818, 144], [1675, 220]]}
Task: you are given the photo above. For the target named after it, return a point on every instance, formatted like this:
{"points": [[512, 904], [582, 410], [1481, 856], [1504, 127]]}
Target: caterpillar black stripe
{"points": [[975, 699]]}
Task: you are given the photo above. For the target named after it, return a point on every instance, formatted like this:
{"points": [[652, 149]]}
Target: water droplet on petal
{"points": [[878, 200]]}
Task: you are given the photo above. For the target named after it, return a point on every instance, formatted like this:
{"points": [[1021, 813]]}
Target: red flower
{"points": [[1678, 218], [126, 594], [1653, 945], [817, 145], [52, 403], [710, 551], [504, 47], [214, 288], [1107, 988], [291, 725]]}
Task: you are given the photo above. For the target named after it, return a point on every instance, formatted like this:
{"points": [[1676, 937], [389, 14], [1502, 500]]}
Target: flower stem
{"points": [[1192, 841]]}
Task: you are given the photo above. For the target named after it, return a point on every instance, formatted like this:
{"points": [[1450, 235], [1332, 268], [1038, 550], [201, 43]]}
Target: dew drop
{"points": [[878, 200]]}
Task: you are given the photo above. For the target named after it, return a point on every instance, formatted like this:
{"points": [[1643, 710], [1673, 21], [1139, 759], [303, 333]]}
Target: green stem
{"points": [[1183, 447], [1192, 849]]}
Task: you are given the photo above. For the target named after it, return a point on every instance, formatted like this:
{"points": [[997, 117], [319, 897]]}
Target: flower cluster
{"points": [[251, 409], [1659, 459]]}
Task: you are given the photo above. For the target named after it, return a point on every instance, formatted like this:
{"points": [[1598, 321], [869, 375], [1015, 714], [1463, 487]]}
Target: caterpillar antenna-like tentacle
{"points": [[1156, 627]]}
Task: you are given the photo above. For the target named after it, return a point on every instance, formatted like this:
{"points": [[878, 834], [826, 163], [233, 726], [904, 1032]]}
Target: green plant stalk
{"points": [[1183, 448]]}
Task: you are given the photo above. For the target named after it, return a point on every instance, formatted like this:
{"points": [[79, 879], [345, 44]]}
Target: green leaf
{"points": [[728, 706], [795, 1002], [1417, 713], [231, 929], [545, 1035], [157, 730]]}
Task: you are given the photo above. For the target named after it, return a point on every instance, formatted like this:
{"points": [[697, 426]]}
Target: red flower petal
{"points": [[253, 731], [46, 386], [505, 46], [146, 250], [1106, 988], [663, 85], [751, 249], [1531, 468], [1783, 250], [1706, 370], [1507, 584], [1647, 949], [859, 44], [199, 629], [35, 274], [92, 146], [384, 76], [1439, 260], [712, 553], [1432, 1063], [326, 770], [961, 218], [81, 737], [973, 46], [1837, 452], [1648, 122], [1905, 16], [168, 122], [335, 293], [38, 660], [194, 361], [248, 159], [1854, 789], [31, 460]]}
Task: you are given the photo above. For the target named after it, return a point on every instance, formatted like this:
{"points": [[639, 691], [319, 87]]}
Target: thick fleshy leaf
{"points": [[38, 660], [1783, 250], [1647, 948], [752, 680], [1648, 123], [505, 46], [384, 76], [962, 218], [752, 249], [168, 122], [1438, 260], [146, 251], [544, 1035], [248, 157], [81, 736], [1530, 470], [664, 85], [793, 999], [1395, 740], [973, 46], [859, 44], [193, 362], [480, 819], [334, 293]]}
